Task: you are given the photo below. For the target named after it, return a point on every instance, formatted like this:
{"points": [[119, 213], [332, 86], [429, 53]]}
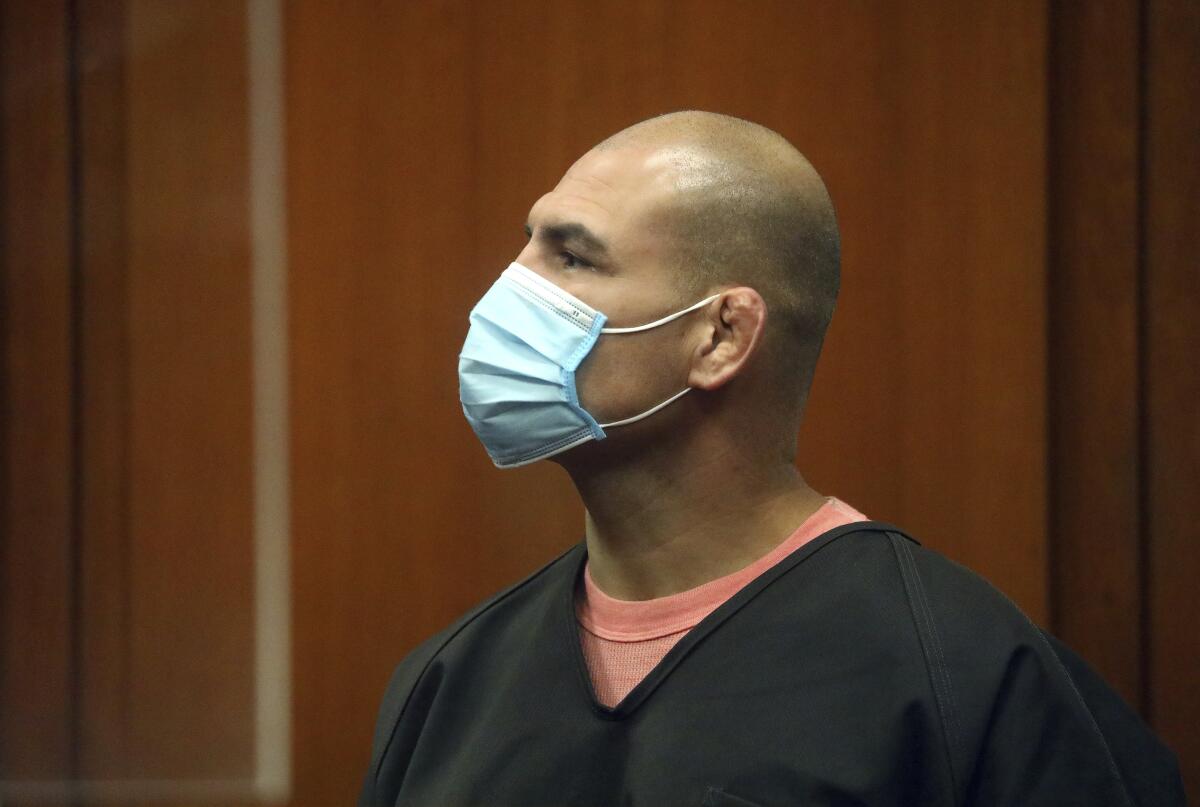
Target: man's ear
{"points": [[734, 323]]}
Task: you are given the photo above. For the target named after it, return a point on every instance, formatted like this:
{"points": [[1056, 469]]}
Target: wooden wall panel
{"points": [[1096, 532], [843, 84], [189, 635], [418, 137], [1125, 459], [104, 551], [1172, 374], [969, 279], [395, 520], [958, 142], [128, 605], [38, 466]]}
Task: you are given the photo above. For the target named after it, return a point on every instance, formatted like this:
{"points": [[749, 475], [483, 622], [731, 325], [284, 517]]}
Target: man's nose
{"points": [[530, 259]]}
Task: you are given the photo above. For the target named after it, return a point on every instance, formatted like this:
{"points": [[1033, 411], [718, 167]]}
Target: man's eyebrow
{"points": [[571, 231]]}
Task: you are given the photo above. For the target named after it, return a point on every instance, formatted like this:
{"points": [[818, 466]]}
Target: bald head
{"points": [[748, 209]]}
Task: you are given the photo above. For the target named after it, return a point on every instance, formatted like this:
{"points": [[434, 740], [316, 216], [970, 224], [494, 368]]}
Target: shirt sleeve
{"points": [[391, 745], [1147, 767], [1025, 722]]}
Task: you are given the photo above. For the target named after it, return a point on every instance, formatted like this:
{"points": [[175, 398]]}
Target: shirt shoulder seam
{"points": [[936, 667]]}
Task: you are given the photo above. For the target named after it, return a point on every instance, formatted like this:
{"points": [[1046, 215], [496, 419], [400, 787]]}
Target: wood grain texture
{"points": [[1096, 532], [418, 137], [969, 279], [189, 636], [394, 517], [1172, 374], [37, 657], [104, 587], [1010, 374], [127, 394]]}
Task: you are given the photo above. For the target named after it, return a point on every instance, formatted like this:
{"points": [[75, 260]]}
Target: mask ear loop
{"points": [[646, 327], [649, 411], [664, 320]]}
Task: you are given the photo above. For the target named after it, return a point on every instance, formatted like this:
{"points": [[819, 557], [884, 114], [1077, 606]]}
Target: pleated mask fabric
{"points": [[516, 371]]}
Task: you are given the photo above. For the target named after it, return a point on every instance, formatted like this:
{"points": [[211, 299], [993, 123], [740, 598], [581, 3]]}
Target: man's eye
{"points": [[570, 261]]}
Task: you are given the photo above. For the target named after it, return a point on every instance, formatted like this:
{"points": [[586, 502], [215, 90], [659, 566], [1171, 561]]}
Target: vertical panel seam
{"points": [[125, 416], [75, 387], [4, 407], [1053, 555], [1143, 458]]}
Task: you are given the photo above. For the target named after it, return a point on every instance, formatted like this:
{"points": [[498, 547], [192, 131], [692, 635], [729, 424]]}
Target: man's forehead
{"points": [[630, 170], [610, 188]]}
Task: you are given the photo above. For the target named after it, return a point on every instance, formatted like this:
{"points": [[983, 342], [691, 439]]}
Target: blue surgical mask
{"points": [[516, 372]]}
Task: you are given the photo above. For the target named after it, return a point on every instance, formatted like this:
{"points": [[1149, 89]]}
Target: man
{"points": [[725, 635]]}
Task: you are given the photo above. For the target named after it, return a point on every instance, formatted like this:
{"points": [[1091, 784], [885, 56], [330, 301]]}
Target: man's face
{"points": [[599, 235]]}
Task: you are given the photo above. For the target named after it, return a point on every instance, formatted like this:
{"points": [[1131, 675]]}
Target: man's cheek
{"points": [[620, 379], [593, 380]]}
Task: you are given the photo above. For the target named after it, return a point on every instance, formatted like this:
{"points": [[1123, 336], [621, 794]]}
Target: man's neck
{"points": [[656, 528]]}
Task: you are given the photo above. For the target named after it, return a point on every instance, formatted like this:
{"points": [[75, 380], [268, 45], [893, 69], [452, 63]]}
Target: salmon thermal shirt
{"points": [[623, 640], [862, 669]]}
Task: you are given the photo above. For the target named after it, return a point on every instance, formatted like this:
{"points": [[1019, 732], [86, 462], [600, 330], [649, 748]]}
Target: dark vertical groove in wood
{"points": [[5, 318], [35, 236], [1053, 553], [1095, 441], [1145, 522], [126, 365], [1171, 191], [104, 586], [75, 259]]}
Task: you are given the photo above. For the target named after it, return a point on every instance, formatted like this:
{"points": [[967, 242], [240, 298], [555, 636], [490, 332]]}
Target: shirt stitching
{"points": [[936, 642], [939, 678]]}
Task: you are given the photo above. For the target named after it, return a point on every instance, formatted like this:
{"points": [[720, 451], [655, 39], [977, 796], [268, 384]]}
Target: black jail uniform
{"points": [[863, 669]]}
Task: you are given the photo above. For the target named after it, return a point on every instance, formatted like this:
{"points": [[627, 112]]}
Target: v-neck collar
{"points": [[683, 647]]}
